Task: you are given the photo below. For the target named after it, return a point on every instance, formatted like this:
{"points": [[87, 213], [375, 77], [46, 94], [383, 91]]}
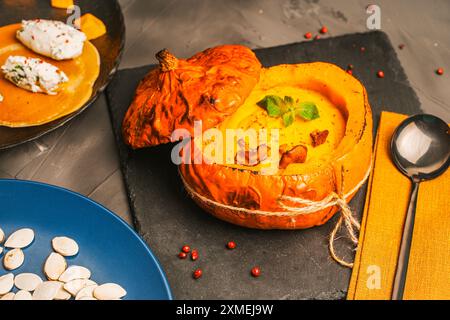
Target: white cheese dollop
{"points": [[53, 39], [1, 99], [34, 75]]}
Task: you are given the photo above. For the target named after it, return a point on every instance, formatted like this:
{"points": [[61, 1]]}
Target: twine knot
{"points": [[352, 225], [308, 207]]}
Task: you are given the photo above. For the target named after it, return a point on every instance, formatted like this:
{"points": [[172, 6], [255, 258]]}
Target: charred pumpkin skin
{"points": [[340, 172], [209, 86], [21, 108]]}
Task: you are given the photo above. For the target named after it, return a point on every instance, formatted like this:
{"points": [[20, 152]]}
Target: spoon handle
{"points": [[405, 247]]}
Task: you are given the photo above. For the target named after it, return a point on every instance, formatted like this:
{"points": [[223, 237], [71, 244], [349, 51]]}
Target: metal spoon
{"points": [[420, 149]]}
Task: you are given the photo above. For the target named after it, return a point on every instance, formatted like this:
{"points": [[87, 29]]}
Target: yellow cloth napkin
{"points": [[388, 193]]}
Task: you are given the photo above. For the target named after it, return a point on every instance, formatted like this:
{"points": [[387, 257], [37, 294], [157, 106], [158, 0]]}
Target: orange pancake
{"points": [[22, 108]]}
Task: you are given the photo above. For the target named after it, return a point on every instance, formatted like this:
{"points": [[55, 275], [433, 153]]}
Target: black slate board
{"points": [[295, 264]]}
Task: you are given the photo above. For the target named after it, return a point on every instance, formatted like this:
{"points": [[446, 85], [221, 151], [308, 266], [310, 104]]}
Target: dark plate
{"points": [[109, 46]]}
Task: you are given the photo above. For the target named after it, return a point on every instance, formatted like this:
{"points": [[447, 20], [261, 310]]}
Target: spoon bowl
{"points": [[420, 149]]}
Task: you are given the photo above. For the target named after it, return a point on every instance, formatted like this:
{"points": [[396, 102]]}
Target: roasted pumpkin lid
{"points": [[208, 87]]}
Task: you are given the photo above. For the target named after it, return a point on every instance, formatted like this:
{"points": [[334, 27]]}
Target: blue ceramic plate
{"points": [[108, 246]]}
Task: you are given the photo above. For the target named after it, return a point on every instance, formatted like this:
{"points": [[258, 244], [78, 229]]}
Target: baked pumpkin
{"points": [[325, 154], [242, 195], [21, 108], [209, 87], [62, 4], [91, 26]]}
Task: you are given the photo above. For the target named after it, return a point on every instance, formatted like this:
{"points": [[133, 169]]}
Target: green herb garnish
{"points": [[288, 109], [308, 111], [273, 105], [288, 118]]}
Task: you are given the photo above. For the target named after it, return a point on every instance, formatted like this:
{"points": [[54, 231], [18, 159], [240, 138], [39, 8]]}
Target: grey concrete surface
{"points": [[189, 26], [82, 155]]}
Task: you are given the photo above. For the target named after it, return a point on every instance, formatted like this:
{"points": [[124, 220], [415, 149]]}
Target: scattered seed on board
{"points": [[20, 239], [197, 274], [13, 259], [66, 247], [54, 266], [231, 245], [186, 249], [256, 272], [182, 255], [27, 281], [194, 255], [323, 30]]}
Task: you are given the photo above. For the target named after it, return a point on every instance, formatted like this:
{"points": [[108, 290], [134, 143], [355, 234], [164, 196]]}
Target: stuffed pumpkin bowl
{"points": [[315, 119]]}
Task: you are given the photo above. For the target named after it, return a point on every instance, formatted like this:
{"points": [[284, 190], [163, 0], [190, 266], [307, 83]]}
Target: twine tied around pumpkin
{"points": [[333, 199], [309, 207]]}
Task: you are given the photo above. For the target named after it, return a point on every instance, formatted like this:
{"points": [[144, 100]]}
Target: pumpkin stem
{"points": [[167, 60]]}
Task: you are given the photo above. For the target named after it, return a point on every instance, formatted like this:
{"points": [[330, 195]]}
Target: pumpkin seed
{"points": [[6, 283], [20, 239], [64, 282], [27, 281], [63, 295], [74, 286], [47, 290], [23, 295], [65, 246], [86, 292], [109, 291], [8, 296], [13, 259], [75, 272], [87, 298], [54, 266]]}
